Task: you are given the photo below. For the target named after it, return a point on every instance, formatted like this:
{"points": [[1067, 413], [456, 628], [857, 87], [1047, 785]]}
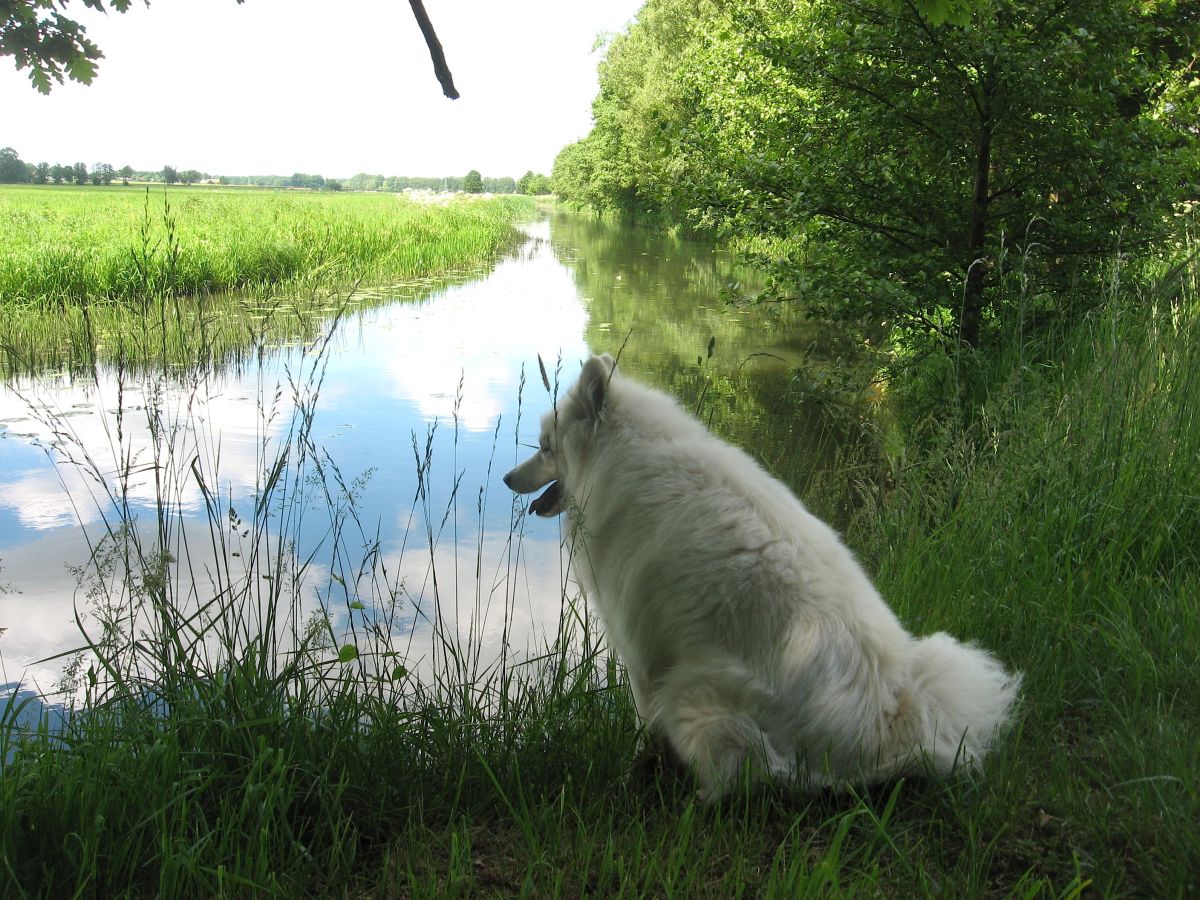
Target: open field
{"points": [[88, 269]]}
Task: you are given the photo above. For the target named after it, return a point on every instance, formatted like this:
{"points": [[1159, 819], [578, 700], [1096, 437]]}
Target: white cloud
{"points": [[482, 333], [225, 422], [402, 357]]}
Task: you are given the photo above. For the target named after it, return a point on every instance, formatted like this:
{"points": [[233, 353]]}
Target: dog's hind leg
{"points": [[707, 714]]}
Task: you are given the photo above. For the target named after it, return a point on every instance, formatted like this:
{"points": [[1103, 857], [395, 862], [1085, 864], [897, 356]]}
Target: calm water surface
{"points": [[444, 370]]}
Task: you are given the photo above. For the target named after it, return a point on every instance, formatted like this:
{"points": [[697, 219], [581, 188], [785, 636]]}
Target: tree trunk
{"points": [[971, 313]]}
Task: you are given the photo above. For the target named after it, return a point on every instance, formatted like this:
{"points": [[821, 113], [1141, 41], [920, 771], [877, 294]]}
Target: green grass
{"points": [[237, 748], [1061, 529], [130, 273]]}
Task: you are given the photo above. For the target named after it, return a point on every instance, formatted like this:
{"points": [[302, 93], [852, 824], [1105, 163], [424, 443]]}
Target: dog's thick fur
{"points": [[750, 634]]}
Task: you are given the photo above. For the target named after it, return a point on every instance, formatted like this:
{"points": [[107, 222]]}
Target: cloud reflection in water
{"points": [[393, 372]]}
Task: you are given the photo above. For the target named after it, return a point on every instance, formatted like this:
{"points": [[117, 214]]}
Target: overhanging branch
{"points": [[435, 50]]}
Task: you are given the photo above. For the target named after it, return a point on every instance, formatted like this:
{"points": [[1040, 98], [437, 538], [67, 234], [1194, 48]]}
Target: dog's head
{"points": [[562, 443]]}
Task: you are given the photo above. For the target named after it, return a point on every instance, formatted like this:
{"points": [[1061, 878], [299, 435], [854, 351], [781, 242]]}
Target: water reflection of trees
{"points": [[774, 384]]}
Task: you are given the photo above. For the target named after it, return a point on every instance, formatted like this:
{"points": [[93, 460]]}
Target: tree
{"points": [[79, 172], [59, 173], [12, 169], [473, 182], [102, 173], [529, 183], [48, 43], [500, 184], [41, 173], [310, 182], [901, 162], [190, 176], [574, 174], [1016, 132], [629, 160], [126, 173], [365, 182], [169, 175]]}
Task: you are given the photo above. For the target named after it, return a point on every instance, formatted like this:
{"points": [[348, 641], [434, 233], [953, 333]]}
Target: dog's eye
{"points": [[546, 449]]}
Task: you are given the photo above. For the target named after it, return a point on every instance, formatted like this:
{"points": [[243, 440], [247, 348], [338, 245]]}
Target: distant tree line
{"points": [[472, 182], [13, 170]]}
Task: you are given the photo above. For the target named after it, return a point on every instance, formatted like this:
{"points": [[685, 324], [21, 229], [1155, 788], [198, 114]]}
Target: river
{"points": [[413, 410]]}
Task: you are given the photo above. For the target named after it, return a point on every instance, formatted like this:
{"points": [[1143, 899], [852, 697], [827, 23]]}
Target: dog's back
{"points": [[748, 629]]}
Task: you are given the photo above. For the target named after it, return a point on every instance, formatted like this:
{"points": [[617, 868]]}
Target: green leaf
{"points": [[40, 79], [348, 653]]}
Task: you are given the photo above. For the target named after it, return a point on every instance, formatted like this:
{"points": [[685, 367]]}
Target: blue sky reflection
{"points": [[451, 363]]}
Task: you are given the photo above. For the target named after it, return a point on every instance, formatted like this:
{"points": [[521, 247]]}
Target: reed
{"points": [[84, 269]]}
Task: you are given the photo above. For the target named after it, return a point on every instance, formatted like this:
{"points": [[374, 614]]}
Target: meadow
{"points": [[230, 743], [106, 270]]}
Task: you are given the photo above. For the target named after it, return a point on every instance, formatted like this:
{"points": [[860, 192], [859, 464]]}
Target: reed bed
{"points": [[85, 267], [68, 246]]}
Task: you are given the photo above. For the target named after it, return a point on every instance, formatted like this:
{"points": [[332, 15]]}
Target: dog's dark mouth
{"points": [[549, 503]]}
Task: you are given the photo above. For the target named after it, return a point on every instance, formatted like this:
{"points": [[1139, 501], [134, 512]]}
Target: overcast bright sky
{"points": [[331, 87]]}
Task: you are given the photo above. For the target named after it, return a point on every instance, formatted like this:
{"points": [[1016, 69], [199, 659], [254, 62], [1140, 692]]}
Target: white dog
{"points": [[750, 634]]}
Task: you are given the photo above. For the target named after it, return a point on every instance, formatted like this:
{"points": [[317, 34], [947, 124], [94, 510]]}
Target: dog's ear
{"points": [[593, 383]]}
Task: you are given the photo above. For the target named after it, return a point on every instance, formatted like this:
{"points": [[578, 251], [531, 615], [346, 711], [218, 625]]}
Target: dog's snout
{"points": [[508, 480]]}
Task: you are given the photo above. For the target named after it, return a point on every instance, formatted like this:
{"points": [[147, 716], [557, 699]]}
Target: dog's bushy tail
{"points": [[961, 698]]}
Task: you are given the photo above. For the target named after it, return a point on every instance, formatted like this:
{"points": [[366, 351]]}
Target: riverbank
{"points": [[246, 749], [133, 274]]}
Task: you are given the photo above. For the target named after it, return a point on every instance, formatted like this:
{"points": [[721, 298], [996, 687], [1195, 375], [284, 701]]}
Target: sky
{"points": [[328, 87]]}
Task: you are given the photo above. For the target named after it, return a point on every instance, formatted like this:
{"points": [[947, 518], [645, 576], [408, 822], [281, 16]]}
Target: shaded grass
{"points": [[245, 752], [1060, 528]]}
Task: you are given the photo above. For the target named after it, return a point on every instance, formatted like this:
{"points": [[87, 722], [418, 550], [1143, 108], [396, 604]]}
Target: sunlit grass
{"points": [[89, 268]]}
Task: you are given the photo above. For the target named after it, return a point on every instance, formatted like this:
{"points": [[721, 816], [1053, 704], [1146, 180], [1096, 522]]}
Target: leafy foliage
{"points": [[473, 182], [892, 167], [531, 183], [49, 44], [12, 169]]}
